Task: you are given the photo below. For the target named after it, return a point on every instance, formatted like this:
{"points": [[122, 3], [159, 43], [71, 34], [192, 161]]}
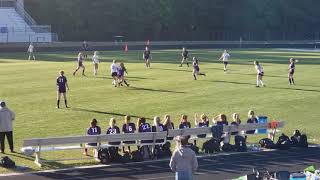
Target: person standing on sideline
{"points": [[183, 161], [6, 118], [84, 48], [31, 52], [225, 59], [62, 85]]}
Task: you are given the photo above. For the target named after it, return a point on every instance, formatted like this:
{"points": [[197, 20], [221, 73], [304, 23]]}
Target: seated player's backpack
{"points": [[194, 148], [126, 157], [104, 156], [240, 143], [226, 147], [114, 155], [267, 143], [283, 142], [6, 162], [282, 175], [145, 152], [298, 139], [211, 146], [136, 156], [166, 151]]}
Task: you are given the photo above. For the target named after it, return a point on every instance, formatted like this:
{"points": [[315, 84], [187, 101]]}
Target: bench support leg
{"points": [[38, 160]]}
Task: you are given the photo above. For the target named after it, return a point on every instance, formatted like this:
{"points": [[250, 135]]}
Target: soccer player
{"points": [[84, 48], [114, 73], [225, 59], [122, 69], [31, 52], [147, 56], [128, 127], [260, 73], [203, 122], [95, 61], [184, 122], [113, 129], [196, 69], [80, 64], [184, 55], [292, 67], [168, 124], [92, 130], [62, 85]]}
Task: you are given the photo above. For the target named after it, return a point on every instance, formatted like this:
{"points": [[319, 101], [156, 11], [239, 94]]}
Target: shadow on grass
{"points": [[104, 112], [181, 70], [292, 88], [155, 90]]}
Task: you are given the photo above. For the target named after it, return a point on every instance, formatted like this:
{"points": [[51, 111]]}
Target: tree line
{"points": [[98, 20]]}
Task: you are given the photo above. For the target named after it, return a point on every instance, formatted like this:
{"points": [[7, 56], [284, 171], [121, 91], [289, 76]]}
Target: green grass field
{"points": [[29, 89]]}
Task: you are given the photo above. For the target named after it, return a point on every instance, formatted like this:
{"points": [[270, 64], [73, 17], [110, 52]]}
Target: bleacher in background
{"points": [[16, 25]]}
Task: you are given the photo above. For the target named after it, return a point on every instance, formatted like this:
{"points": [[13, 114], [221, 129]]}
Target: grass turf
{"points": [[29, 89]]}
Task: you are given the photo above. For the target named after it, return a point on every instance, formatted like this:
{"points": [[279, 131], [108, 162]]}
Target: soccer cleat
{"points": [[12, 151], [85, 154], [57, 107], [74, 73], [67, 107], [257, 86]]}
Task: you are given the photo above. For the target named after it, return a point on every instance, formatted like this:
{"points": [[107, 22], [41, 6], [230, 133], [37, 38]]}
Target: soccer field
{"points": [[29, 88]]}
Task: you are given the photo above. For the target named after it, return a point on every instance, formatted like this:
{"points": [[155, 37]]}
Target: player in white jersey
{"points": [[80, 64], [31, 52], [260, 73], [95, 61], [114, 73], [225, 59]]}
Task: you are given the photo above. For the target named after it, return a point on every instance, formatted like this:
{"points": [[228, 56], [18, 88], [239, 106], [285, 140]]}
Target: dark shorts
{"points": [[196, 69], [146, 58], [261, 74], [225, 62], [114, 74], [291, 72], [62, 90], [185, 58], [80, 64]]}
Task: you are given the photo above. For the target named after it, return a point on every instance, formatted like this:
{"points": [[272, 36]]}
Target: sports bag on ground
{"points": [[6, 162], [267, 143], [104, 156], [211, 146], [137, 156], [240, 143], [283, 142]]}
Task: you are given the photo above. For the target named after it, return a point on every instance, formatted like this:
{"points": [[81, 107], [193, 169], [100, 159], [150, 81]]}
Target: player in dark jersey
{"points": [[147, 56], [128, 127], [92, 130], [113, 129], [184, 122], [121, 70], [158, 127], [236, 122], [143, 128], [196, 69], [184, 55], [199, 123], [62, 86], [292, 67], [80, 64]]}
